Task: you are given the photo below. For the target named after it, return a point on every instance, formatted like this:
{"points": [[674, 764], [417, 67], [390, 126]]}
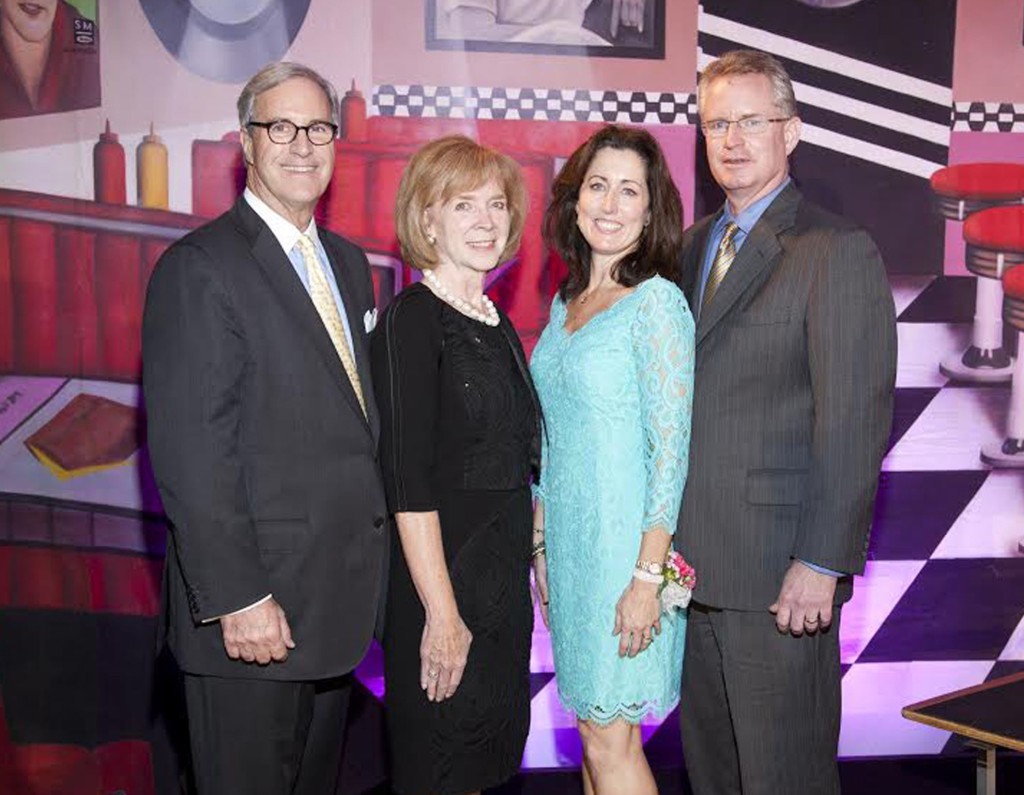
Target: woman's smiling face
{"points": [[471, 229], [613, 205]]}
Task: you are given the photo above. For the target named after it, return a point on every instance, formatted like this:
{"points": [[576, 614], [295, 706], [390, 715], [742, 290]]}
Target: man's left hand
{"points": [[805, 601]]}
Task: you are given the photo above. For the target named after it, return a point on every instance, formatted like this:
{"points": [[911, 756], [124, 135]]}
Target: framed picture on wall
{"points": [[609, 28], [49, 57]]}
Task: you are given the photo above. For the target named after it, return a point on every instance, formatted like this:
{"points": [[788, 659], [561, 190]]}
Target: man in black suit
{"points": [[263, 436], [796, 359]]}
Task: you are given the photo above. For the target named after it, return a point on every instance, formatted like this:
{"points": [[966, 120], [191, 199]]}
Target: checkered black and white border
{"points": [[540, 104], [988, 117]]}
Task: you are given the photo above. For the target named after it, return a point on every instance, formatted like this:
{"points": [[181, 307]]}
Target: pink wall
{"points": [[989, 57], [400, 57]]}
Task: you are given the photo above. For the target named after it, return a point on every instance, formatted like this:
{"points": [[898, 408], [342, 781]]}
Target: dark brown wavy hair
{"points": [[657, 252]]}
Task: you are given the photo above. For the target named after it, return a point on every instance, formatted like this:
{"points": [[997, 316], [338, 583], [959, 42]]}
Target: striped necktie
{"points": [[320, 293], [723, 259]]}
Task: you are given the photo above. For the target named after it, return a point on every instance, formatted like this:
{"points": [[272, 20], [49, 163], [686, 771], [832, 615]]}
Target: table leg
{"points": [[985, 767]]}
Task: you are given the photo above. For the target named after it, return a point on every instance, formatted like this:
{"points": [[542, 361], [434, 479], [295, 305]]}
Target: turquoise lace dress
{"points": [[616, 396]]}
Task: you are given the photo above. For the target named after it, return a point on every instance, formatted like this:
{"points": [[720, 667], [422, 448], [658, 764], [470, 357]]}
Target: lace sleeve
{"points": [[663, 344]]}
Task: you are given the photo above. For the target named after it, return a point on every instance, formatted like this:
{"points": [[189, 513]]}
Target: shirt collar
{"points": [[285, 232], [748, 217]]}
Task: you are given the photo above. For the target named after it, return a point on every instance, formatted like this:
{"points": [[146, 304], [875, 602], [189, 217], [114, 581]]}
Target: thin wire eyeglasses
{"points": [[748, 125], [282, 131]]}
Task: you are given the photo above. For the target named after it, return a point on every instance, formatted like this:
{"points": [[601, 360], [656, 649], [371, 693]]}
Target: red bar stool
{"points": [[961, 191], [1002, 229]]}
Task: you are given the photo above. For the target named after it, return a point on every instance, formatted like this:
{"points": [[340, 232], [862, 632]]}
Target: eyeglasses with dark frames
{"points": [[282, 131], [748, 125]]}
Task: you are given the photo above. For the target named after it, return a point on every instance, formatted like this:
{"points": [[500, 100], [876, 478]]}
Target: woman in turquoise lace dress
{"points": [[614, 371]]}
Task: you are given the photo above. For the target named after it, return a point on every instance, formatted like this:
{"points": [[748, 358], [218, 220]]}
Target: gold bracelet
{"points": [[538, 549]]}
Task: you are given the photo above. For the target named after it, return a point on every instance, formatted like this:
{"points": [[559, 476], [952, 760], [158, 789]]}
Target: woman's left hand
{"points": [[637, 617], [540, 586]]}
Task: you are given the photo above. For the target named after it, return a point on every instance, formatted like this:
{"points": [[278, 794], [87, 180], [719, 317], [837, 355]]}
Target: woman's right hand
{"points": [[444, 651]]}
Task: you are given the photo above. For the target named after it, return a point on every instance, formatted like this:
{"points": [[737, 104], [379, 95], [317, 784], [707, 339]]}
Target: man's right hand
{"points": [[259, 634]]}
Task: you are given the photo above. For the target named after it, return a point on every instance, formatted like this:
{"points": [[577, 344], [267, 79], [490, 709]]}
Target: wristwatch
{"points": [[649, 566]]}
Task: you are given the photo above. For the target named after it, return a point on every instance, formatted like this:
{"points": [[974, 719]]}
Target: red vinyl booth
{"points": [[73, 278]]}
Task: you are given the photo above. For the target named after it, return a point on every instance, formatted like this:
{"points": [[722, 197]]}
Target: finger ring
{"points": [[433, 674]]}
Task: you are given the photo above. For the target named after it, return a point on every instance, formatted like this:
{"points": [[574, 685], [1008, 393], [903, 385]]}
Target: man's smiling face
{"points": [[290, 178], [747, 166]]}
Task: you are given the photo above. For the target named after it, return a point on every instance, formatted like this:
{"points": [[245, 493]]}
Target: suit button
{"points": [[378, 522]]}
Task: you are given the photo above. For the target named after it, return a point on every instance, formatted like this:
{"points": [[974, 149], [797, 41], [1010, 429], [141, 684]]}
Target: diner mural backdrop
{"points": [[118, 135]]}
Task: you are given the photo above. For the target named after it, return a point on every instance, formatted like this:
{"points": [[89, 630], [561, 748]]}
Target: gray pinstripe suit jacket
{"points": [[796, 362]]}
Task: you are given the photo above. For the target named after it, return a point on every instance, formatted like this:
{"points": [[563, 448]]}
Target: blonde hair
{"points": [[750, 62], [448, 167]]}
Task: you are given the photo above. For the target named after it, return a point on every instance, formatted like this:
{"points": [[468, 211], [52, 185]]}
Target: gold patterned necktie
{"points": [[723, 259], [323, 300]]}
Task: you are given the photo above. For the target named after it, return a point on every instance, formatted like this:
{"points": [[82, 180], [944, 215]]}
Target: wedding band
{"points": [[433, 674]]}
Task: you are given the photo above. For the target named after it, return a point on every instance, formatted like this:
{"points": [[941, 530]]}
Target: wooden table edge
{"points": [[964, 730], [1003, 680], [914, 712]]}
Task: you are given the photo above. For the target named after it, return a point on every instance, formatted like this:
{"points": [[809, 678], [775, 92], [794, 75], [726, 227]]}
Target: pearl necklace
{"points": [[489, 317]]}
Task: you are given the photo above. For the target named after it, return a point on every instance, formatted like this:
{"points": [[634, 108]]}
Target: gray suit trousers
{"points": [[760, 710]]}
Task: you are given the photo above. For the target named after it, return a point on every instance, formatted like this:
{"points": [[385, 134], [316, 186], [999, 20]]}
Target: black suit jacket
{"points": [[794, 382], [265, 463]]}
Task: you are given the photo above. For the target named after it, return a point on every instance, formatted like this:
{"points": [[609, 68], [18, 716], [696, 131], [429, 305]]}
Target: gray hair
{"points": [[271, 76], [750, 62]]}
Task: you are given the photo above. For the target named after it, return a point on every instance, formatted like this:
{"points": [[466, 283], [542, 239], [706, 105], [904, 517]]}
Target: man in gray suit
{"points": [[796, 359]]}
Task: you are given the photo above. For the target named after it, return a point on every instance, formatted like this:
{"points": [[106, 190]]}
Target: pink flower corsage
{"points": [[679, 580]]}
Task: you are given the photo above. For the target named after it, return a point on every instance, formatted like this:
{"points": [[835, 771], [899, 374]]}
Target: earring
{"points": [[431, 239]]}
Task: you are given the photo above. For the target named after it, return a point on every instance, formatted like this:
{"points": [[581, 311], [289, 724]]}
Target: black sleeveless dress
{"points": [[460, 431]]}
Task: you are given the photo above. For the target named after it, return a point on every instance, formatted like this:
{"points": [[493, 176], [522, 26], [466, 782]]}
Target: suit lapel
{"points": [[759, 251], [286, 284], [345, 280], [690, 284]]}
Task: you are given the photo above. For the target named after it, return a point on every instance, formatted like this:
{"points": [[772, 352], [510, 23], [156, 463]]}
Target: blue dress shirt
{"points": [[746, 220], [287, 235]]}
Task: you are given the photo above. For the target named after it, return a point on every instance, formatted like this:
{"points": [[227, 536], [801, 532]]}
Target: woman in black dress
{"points": [[460, 434]]}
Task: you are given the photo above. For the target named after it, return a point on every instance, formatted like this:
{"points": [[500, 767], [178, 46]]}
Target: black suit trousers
{"points": [[759, 710], [262, 737]]}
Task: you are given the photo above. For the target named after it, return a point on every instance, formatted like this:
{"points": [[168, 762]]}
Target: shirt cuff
{"points": [[236, 612], [822, 569]]}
